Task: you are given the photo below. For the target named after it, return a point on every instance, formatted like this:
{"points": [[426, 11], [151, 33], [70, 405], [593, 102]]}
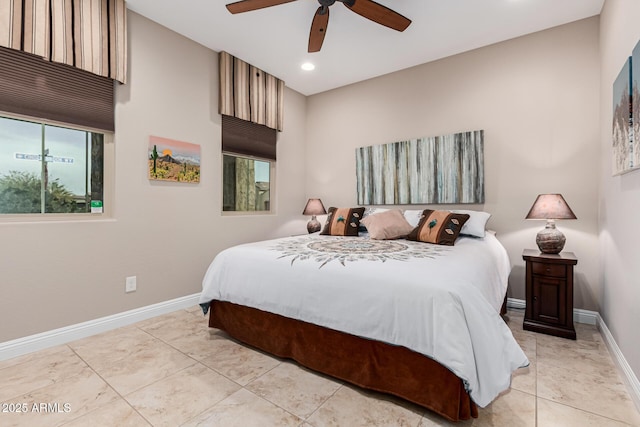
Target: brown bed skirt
{"points": [[366, 363]]}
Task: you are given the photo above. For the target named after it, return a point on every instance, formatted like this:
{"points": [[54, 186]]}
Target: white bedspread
{"points": [[440, 301]]}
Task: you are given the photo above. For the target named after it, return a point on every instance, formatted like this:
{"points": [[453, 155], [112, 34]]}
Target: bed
{"points": [[415, 320]]}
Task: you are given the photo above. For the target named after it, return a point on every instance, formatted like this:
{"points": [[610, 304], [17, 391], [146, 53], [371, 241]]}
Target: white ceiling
{"points": [[355, 49]]}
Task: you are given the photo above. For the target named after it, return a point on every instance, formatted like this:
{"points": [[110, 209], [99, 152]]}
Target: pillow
{"points": [[367, 212], [373, 211], [413, 216], [342, 221], [439, 227], [387, 225], [476, 224]]}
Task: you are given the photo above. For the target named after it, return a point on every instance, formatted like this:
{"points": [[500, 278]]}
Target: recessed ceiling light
{"points": [[307, 66]]}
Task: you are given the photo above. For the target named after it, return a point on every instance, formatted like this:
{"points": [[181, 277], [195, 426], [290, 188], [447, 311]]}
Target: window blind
{"points": [[38, 88], [247, 138]]}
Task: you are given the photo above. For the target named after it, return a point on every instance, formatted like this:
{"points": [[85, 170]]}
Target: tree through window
{"points": [[49, 169]]}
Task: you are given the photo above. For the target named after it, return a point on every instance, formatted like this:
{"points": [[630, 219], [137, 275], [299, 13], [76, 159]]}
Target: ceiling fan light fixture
{"points": [[308, 66], [368, 9]]}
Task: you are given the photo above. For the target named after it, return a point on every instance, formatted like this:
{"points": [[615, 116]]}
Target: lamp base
{"points": [[550, 240], [313, 225]]}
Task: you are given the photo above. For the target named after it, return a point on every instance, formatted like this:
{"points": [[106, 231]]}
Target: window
{"points": [[249, 157], [246, 184], [49, 169]]}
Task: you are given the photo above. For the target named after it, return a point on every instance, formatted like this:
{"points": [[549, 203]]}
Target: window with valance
{"points": [[251, 105], [58, 63]]}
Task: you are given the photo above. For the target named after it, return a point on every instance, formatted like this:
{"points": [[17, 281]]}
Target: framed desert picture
{"points": [[171, 160]]}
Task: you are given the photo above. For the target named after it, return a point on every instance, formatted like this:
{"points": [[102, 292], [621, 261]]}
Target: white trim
{"points": [[579, 316], [31, 343], [633, 385], [593, 318], [518, 304], [585, 316]]}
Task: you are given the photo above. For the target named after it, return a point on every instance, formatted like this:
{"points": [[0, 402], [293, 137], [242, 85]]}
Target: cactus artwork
{"points": [[171, 160]]}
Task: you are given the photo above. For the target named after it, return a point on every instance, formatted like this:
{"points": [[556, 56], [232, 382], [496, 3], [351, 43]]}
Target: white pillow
{"points": [[476, 224], [413, 216]]}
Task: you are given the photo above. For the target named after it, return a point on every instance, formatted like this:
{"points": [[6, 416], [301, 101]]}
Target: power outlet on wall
{"points": [[130, 284]]}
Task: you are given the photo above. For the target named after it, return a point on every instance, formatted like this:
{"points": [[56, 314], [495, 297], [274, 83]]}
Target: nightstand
{"points": [[549, 293]]}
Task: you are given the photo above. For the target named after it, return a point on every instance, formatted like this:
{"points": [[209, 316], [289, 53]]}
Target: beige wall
{"points": [[62, 273], [619, 195], [544, 102], [536, 97]]}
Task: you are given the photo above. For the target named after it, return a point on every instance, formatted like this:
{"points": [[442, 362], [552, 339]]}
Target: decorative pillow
{"points": [[342, 221], [386, 225], [367, 212], [439, 227], [477, 222]]}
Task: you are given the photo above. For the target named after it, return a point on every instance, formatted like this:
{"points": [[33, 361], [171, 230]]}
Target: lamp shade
{"points": [[550, 206], [550, 240], [314, 207]]}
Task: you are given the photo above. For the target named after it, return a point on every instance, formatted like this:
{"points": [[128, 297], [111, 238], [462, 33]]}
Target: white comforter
{"points": [[443, 302]]}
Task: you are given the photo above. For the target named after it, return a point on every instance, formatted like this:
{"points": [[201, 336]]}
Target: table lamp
{"points": [[314, 207], [550, 240]]}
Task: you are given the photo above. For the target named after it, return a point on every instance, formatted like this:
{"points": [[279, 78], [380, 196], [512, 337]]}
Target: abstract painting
{"points": [[171, 160], [623, 159], [441, 169], [635, 107]]}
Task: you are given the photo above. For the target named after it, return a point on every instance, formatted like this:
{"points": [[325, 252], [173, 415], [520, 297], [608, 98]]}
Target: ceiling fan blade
{"points": [[249, 5], [378, 13], [318, 29]]}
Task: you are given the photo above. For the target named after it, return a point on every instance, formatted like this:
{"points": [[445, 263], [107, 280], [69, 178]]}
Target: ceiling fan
{"points": [[366, 8]]}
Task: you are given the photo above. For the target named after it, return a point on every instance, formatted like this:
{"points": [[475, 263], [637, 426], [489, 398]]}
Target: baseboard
{"points": [[579, 316], [628, 375], [67, 334], [585, 316], [594, 318], [518, 304]]}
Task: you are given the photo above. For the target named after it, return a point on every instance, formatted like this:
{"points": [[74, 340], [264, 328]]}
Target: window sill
{"points": [[9, 219], [247, 213]]}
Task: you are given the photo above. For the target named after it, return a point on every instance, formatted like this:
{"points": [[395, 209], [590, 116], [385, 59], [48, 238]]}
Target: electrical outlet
{"points": [[130, 284]]}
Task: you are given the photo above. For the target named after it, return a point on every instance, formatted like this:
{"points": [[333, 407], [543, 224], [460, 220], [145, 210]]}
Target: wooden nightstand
{"points": [[549, 294]]}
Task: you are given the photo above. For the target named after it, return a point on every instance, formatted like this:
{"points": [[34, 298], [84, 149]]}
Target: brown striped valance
{"points": [[87, 34], [248, 93]]}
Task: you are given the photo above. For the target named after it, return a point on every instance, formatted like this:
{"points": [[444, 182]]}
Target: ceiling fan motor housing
{"points": [[331, 2]]}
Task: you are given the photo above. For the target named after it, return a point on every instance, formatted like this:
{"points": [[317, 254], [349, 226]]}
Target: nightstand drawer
{"points": [[554, 270]]}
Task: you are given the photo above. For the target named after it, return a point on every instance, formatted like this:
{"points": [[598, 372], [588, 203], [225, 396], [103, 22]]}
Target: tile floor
{"points": [[174, 371]]}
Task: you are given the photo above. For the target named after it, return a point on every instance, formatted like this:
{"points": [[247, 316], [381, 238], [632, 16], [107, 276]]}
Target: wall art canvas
{"points": [[171, 160], [440, 169], [635, 107], [623, 158]]}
